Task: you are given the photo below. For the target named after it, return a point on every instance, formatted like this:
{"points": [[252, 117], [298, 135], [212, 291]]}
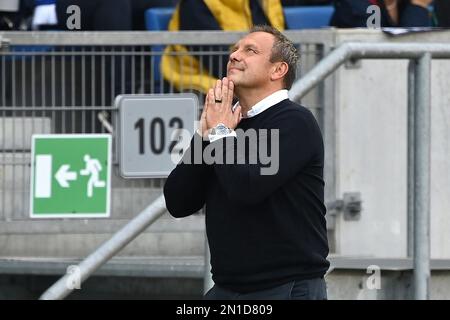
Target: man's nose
{"points": [[234, 56]]}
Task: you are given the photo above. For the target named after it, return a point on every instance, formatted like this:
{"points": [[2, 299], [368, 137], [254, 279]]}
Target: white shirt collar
{"points": [[266, 103]]}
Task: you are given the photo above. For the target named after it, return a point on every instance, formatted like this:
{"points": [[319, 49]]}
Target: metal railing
{"points": [[107, 250]]}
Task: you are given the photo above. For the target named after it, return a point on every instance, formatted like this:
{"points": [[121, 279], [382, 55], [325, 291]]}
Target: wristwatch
{"points": [[220, 130]]}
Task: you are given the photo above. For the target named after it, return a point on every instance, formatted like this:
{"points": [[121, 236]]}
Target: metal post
{"points": [[411, 150], [324, 68], [422, 178], [208, 283], [95, 260], [329, 139]]}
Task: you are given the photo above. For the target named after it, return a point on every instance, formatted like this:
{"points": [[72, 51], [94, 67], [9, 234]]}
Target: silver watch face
{"points": [[221, 129]]}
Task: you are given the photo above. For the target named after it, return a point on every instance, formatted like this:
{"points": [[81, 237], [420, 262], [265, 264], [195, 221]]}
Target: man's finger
{"points": [[205, 107], [218, 90], [210, 97], [225, 93], [230, 91]]}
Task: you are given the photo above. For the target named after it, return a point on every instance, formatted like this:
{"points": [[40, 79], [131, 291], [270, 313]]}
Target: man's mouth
{"points": [[234, 68]]}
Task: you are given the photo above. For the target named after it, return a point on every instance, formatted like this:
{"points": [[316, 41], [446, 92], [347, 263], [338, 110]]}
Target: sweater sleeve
{"points": [[185, 188], [299, 144]]}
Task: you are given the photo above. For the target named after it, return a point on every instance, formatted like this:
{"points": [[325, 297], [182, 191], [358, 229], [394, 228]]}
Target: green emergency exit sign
{"points": [[70, 176]]}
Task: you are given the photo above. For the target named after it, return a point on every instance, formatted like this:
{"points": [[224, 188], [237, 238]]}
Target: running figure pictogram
{"points": [[93, 168]]}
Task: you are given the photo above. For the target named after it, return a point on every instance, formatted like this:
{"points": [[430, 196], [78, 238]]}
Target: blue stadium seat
{"points": [[157, 19], [308, 17]]}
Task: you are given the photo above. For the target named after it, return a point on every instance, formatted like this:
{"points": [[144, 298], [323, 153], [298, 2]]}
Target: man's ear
{"points": [[279, 71]]}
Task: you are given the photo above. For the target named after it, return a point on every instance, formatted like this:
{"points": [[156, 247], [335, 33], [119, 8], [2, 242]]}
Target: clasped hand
{"points": [[218, 108]]}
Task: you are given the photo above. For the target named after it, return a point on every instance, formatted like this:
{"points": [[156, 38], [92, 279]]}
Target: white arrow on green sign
{"points": [[70, 176]]}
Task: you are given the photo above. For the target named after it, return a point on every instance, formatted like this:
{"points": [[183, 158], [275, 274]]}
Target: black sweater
{"points": [[263, 230]]}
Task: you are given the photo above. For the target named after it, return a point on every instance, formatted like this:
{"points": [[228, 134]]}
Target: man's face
{"points": [[249, 63]]}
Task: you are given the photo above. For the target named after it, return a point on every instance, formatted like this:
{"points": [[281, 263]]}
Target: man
{"points": [[266, 230]]}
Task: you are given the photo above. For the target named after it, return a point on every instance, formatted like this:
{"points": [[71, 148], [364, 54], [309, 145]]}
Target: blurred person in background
{"points": [[266, 230], [394, 13], [187, 71], [16, 14], [442, 13], [44, 17], [99, 15]]}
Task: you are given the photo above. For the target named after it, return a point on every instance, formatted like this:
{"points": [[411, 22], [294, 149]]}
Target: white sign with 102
{"points": [[152, 129]]}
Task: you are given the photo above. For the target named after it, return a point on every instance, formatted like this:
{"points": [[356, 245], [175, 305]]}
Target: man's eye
{"points": [[251, 50]]}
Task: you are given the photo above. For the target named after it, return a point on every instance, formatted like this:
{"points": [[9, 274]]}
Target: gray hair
{"points": [[283, 50]]}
